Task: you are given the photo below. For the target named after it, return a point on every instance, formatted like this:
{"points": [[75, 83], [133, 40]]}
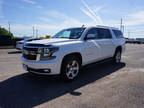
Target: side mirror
{"points": [[90, 36]]}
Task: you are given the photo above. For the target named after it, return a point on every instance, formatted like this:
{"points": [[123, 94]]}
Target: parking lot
{"points": [[99, 86]]}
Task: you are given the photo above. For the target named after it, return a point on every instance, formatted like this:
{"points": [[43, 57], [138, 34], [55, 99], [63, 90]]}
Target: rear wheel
{"points": [[70, 68], [117, 57]]}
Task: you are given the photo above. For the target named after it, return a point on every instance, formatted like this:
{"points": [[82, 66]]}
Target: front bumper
{"points": [[46, 67], [19, 46]]}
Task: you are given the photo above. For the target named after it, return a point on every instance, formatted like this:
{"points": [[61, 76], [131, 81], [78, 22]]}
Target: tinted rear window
{"points": [[118, 33]]}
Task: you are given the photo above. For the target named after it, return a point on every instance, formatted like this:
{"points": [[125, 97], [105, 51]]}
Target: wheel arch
{"points": [[119, 48], [76, 54]]}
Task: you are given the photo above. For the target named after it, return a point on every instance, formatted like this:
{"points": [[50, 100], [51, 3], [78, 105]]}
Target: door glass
{"points": [[118, 33], [104, 33], [93, 31]]}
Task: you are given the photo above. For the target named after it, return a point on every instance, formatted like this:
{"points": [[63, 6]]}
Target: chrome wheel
{"points": [[118, 57], [72, 69]]}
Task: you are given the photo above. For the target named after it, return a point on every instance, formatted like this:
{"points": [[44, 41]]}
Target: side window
{"points": [[104, 33], [118, 33], [93, 31]]}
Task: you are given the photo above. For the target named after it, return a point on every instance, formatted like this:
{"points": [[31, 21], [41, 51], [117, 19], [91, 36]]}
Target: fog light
{"points": [[47, 70]]}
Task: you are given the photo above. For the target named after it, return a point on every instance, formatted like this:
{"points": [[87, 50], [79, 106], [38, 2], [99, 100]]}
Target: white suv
{"points": [[70, 49]]}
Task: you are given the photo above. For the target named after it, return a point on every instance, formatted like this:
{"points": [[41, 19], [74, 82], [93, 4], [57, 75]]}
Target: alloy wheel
{"points": [[72, 69]]}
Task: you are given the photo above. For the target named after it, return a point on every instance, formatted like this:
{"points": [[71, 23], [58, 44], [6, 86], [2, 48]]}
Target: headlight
{"points": [[47, 53]]}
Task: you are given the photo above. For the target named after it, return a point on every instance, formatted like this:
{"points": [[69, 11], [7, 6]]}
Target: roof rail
{"points": [[107, 26], [83, 26]]}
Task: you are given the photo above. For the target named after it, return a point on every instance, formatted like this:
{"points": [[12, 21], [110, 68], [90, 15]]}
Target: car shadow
{"points": [[15, 52], [26, 90]]}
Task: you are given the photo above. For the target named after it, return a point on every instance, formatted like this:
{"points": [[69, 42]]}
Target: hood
{"points": [[50, 41]]}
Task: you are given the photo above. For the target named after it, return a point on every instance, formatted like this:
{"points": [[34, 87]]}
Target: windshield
{"points": [[73, 33]]}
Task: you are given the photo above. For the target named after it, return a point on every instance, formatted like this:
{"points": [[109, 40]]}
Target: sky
{"points": [[50, 16]]}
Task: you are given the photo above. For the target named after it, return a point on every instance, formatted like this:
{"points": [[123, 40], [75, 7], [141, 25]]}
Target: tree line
{"points": [[4, 32]]}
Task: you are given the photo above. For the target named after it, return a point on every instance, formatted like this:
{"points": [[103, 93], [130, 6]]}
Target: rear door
{"points": [[106, 43]]}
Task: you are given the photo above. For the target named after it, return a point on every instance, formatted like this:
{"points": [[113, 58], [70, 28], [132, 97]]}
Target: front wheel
{"points": [[70, 68], [117, 57]]}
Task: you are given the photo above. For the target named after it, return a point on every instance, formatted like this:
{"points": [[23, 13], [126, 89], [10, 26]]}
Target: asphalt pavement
{"points": [[99, 86]]}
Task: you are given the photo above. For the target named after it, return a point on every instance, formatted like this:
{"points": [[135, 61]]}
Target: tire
{"points": [[117, 57], [70, 69]]}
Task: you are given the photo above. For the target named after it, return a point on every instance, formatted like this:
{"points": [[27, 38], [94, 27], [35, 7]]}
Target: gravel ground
{"points": [[98, 86]]}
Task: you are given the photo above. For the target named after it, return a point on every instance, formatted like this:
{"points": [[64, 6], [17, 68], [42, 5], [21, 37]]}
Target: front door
{"points": [[91, 48]]}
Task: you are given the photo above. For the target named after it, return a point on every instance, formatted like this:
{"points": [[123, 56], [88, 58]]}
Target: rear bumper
{"points": [[47, 67]]}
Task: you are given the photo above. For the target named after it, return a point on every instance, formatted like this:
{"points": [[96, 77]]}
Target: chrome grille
{"points": [[30, 53]]}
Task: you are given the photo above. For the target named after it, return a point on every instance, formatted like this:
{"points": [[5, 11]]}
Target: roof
{"points": [[98, 26], [107, 27]]}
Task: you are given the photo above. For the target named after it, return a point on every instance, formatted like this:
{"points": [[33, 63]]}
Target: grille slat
{"points": [[30, 53], [30, 49], [30, 57], [37, 45]]}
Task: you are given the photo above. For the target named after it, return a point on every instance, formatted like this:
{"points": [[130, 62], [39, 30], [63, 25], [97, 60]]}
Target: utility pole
{"points": [[123, 29], [9, 26], [33, 32], [128, 34], [36, 33], [121, 23]]}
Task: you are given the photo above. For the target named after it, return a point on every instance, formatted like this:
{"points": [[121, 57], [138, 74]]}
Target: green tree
{"points": [[4, 32]]}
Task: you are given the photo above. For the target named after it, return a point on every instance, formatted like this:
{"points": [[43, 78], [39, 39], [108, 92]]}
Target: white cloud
{"points": [[47, 28], [66, 20], [34, 3], [96, 9], [93, 14], [56, 14], [134, 18], [38, 6], [89, 14], [30, 1], [44, 19], [43, 29], [137, 15]]}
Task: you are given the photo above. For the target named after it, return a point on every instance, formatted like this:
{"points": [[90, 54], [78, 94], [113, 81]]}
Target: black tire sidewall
{"points": [[63, 67], [114, 58]]}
